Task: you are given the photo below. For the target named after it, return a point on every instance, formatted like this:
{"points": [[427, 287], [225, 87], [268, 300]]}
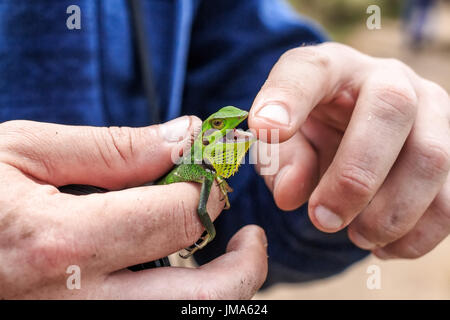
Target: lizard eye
{"points": [[217, 124]]}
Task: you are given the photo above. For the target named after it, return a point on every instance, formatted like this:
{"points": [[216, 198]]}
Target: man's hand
{"points": [[366, 140], [43, 231]]}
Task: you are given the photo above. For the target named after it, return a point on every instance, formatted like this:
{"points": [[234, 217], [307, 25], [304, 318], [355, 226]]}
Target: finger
{"points": [[429, 231], [301, 79], [238, 274], [324, 139], [380, 124], [112, 158], [297, 172], [111, 231], [421, 170]]}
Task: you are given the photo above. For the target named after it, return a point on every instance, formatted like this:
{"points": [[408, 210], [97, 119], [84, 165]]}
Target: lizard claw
{"points": [[196, 246]]}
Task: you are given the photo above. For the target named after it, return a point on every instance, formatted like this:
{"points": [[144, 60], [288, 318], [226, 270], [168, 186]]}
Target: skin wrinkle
{"points": [[394, 106], [115, 135], [103, 149], [358, 178], [130, 143], [188, 221]]}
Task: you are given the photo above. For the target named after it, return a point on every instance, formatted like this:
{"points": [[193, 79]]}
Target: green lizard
{"points": [[215, 155]]}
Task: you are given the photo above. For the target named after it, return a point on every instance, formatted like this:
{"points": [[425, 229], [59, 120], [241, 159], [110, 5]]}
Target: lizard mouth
{"points": [[238, 135]]}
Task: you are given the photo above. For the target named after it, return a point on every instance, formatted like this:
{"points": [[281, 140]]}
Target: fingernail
{"points": [[174, 130], [327, 219], [362, 242], [274, 113]]}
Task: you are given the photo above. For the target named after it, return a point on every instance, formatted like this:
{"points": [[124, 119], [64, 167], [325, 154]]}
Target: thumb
{"points": [[108, 157]]}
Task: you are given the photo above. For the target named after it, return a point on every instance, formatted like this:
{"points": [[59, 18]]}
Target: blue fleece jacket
{"points": [[205, 54]]}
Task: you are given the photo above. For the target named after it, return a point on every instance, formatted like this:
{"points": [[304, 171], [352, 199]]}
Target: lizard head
{"points": [[224, 145], [219, 122]]}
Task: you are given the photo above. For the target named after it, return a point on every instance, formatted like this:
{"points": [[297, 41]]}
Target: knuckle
{"points": [[51, 248], [357, 180], [49, 255], [388, 228], [380, 228], [432, 158], [394, 103]]}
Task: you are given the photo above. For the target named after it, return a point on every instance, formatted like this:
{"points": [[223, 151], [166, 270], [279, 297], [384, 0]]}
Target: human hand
{"points": [[43, 231], [366, 140]]}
